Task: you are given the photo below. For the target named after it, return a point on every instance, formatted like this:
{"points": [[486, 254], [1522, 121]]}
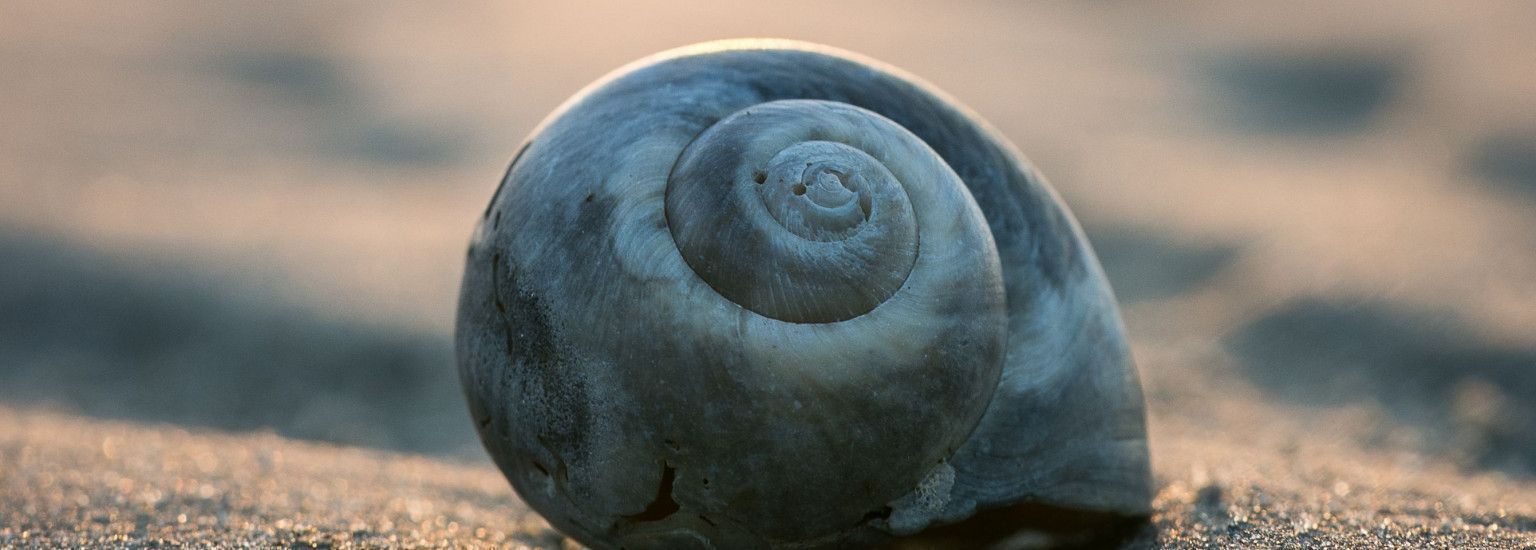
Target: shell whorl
{"points": [[799, 210]]}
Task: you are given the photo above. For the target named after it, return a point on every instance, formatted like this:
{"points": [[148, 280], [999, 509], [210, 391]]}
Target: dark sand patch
{"points": [[303, 76], [167, 344], [342, 116], [1326, 92], [1475, 398], [1144, 265], [1507, 159]]}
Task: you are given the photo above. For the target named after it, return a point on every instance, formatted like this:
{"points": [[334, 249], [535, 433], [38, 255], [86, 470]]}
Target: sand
{"points": [[70, 481]]}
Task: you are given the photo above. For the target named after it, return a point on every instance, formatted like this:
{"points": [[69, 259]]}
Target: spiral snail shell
{"points": [[766, 294]]}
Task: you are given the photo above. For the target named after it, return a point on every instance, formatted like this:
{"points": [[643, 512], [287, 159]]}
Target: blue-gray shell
{"points": [[633, 405]]}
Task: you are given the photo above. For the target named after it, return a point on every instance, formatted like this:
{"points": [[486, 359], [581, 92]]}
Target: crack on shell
{"points": [[663, 506]]}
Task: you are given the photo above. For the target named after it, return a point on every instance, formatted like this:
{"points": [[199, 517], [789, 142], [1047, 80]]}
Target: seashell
{"points": [[768, 294]]}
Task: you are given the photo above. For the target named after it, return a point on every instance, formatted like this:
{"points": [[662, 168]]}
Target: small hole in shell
{"points": [[799, 189], [759, 177], [882, 514]]}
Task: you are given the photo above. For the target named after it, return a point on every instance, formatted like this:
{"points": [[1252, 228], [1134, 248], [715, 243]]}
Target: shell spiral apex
{"points": [[768, 294]]}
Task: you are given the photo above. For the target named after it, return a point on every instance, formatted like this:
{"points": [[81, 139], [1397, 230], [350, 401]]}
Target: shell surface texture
{"points": [[768, 294]]}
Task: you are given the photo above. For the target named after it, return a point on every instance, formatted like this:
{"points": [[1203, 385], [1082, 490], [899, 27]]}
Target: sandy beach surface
{"points": [[67, 481], [231, 236]]}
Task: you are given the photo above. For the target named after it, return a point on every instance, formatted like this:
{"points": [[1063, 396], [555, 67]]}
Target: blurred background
{"points": [[1319, 219]]}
